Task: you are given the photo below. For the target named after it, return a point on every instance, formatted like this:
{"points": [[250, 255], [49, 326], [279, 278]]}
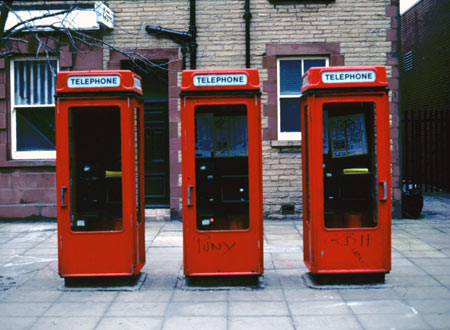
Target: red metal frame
{"points": [[235, 252], [344, 250], [101, 253]]}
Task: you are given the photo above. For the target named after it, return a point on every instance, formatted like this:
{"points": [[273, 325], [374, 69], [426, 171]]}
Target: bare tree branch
{"points": [[48, 39]]}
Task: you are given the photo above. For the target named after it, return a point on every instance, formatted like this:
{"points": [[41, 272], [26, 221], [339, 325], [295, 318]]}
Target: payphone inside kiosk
{"points": [[346, 170], [99, 125], [221, 172]]}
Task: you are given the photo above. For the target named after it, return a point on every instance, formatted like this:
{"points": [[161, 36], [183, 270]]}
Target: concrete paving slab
{"points": [[197, 309], [380, 307], [437, 321], [200, 296], [368, 294], [145, 296], [423, 292], [308, 294], [138, 309], [261, 323], [195, 323], [22, 295], [430, 306], [27, 309], [319, 307], [77, 309], [416, 294], [332, 322], [130, 323], [17, 323], [410, 321], [87, 296], [262, 308], [66, 323], [257, 296]]}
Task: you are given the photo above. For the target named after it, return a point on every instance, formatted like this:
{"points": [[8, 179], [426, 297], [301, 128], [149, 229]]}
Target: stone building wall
{"points": [[347, 32], [355, 33]]}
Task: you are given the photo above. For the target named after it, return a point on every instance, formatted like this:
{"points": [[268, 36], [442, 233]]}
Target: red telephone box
{"points": [[99, 172], [346, 170], [221, 172]]}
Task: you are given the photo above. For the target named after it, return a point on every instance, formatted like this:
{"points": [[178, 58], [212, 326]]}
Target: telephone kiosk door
{"points": [[221, 172], [346, 170], [99, 171]]}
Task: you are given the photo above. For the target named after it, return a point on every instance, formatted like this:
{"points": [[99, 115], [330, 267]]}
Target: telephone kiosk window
{"points": [[95, 169], [349, 165], [221, 167]]}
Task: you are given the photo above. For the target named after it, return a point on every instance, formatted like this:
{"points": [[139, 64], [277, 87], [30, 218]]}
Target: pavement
{"points": [[415, 295]]}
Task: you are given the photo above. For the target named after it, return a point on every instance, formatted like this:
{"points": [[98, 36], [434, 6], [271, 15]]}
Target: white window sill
{"points": [[286, 143]]}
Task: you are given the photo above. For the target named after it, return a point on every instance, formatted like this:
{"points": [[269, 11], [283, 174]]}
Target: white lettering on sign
{"points": [[237, 79], [93, 81], [337, 77]]}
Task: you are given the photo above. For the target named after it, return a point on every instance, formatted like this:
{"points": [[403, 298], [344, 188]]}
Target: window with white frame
{"points": [[33, 83], [290, 71]]}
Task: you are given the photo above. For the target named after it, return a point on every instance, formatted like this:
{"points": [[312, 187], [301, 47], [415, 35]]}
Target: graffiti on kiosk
{"points": [[354, 243], [211, 246]]}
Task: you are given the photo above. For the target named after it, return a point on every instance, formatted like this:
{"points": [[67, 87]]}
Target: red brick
{"points": [[269, 86], [48, 211], [10, 196], [33, 180], [41, 196], [2, 91], [392, 11], [336, 60], [18, 211], [4, 180]]}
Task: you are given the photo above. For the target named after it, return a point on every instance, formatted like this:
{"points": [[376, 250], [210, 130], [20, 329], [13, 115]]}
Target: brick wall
{"points": [[425, 91], [360, 30]]}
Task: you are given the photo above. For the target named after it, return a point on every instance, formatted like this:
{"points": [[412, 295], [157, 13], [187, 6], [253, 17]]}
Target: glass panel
{"points": [[349, 171], [308, 64], [35, 129], [35, 82], [290, 77], [95, 169], [290, 115], [221, 167]]}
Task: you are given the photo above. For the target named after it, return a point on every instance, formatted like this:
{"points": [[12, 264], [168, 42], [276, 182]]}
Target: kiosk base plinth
{"points": [[224, 281], [339, 280], [104, 283]]}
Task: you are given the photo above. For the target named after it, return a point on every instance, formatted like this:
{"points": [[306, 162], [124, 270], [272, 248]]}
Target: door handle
{"points": [[383, 185], [189, 195], [63, 191]]}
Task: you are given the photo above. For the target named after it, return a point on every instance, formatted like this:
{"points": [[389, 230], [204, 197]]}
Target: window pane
{"points": [[290, 115], [349, 172], [307, 64], [35, 129], [95, 161], [290, 76], [35, 82], [221, 167]]}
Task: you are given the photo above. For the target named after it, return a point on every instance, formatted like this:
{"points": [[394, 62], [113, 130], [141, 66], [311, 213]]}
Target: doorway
{"points": [[156, 131]]}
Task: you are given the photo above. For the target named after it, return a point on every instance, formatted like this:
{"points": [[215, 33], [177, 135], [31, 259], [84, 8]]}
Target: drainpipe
{"points": [[193, 32], [181, 38], [247, 16], [185, 39]]}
